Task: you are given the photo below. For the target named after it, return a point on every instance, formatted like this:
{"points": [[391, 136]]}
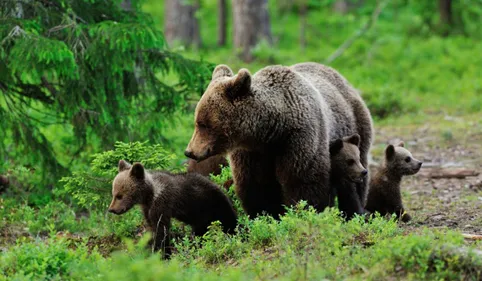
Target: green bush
{"points": [[53, 259], [93, 188]]}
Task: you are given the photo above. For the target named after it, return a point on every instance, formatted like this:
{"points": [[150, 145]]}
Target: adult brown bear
{"points": [[276, 127]]}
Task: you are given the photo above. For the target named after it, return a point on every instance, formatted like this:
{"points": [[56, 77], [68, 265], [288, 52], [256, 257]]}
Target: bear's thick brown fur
{"points": [[190, 198], [346, 171], [384, 195], [276, 127], [212, 165]]}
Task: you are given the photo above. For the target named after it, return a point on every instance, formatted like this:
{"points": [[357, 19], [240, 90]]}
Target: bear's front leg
{"points": [[305, 178], [349, 201], [256, 185]]}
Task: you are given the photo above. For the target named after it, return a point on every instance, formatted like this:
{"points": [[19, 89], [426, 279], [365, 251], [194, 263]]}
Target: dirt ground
{"points": [[448, 143]]}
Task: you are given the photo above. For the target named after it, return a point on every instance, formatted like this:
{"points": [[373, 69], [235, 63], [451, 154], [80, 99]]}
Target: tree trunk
{"points": [[126, 5], [180, 23], [303, 10], [222, 22], [344, 6], [250, 24], [445, 10]]}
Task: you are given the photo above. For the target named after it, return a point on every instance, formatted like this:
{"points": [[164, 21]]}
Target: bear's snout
{"points": [[197, 157], [364, 173], [189, 154]]}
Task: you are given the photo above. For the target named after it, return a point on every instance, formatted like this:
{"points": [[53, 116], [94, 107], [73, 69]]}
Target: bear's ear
{"points": [[336, 146], [222, 70], [239, 86], [137, 171], [355, 139], [401, 144], [123, 165], [390, 152]]}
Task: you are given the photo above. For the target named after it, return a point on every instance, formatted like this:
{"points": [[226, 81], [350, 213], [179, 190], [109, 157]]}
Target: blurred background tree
{"points": [[181, 23], [251, 24]]}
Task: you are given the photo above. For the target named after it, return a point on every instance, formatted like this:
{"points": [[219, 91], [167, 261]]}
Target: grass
{"points": [[303, 245]]}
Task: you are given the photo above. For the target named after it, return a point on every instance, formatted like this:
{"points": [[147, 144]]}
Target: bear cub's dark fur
{"points": [[191, 198], [346, 172], [384, 194]]}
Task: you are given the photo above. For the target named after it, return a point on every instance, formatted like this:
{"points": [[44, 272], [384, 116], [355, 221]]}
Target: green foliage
{"points": [[220, 180], [53, 259], [81, 66], [57, 216], [92, 189]]}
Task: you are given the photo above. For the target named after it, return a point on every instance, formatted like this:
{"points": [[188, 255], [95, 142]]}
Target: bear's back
{"points": [[341, 98]]}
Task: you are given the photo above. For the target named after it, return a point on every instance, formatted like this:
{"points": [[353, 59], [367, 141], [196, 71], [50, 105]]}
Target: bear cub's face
{"points": [[400, 161], [345, 158], [213, 131], [126, 187]]}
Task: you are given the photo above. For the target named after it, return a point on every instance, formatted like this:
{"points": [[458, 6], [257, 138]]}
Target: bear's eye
{"points": [[350, 162], [118, 197], [408, 159]]}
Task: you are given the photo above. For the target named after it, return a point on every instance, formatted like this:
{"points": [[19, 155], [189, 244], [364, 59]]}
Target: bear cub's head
{"points": [[345, 158], [127, 187], [399, 161], [213, 132]]}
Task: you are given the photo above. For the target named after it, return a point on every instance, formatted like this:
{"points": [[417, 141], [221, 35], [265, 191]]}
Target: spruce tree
{"points": [[91, 65]]}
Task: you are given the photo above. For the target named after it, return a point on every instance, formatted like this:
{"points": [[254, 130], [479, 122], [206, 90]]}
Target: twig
{"points": [[472, 236], [155, 234], [369, 24], [449, 173]]}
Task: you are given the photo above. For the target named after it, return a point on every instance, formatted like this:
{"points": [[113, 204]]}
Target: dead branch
{"points": [[472, 236], [448, 173], [369, 24]]}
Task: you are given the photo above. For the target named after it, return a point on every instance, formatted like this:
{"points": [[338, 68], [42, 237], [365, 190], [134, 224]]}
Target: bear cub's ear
{"points": [[401, 144], [336, 146], [354, 139], [222, 70], [239, 86], [123, 165], [390, 152], [137, 171]]}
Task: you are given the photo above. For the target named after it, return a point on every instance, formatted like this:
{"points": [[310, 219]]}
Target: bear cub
{"points": [[384, 194], [190, 198], [346, 172]]}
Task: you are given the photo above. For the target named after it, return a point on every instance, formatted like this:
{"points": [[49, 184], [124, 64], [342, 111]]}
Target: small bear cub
{"points": [[189, 197], [346, 172], [384, 194]]}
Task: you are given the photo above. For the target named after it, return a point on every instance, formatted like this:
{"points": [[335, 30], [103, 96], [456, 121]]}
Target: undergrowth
{"points": [[303, 245]]}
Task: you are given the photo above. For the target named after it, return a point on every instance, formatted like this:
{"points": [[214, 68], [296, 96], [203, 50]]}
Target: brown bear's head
{"points": [[345, 158], [399, 161], [215, 113], [127, 187]]}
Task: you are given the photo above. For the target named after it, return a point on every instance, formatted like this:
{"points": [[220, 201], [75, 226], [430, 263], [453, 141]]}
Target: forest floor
{"points": [[445, 144]]}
